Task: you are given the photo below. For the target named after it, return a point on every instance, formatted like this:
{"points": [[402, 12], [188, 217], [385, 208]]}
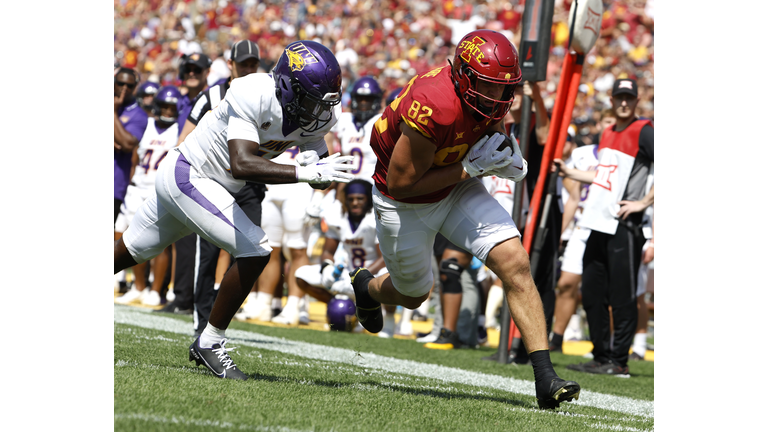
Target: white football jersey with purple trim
{"points": [[152, 149], [359, 244], [357, 143], [249, 111]]}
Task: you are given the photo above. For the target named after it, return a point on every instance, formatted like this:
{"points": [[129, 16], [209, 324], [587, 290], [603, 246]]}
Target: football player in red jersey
{"points": [[432, 142]]}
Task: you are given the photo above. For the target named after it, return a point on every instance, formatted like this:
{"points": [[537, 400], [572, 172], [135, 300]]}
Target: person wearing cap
{"points": [[613, 211], [193, 72], [130, 123], [244, 60]]}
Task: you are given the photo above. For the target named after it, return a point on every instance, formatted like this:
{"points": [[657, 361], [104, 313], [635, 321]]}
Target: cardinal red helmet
{"points": [[483, 58]]}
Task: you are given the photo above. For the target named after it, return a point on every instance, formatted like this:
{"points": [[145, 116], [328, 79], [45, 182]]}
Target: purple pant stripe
{"points": [[182, 181]]}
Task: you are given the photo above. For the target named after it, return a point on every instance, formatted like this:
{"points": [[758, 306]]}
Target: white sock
{"points": [[277, 303], [216, 286], [292, 304], [264, 298], [639, 344], [424, 308], [406, 315], [210, 336]]}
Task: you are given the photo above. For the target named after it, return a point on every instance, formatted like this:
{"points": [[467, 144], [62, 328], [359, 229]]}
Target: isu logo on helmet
{"points": [[472, 49], [299, 56]]}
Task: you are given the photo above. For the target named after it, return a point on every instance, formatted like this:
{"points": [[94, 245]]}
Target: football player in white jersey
{"points": [[353, 227], [352, 135], [261, 116], [160, 137], [283, 211], [567, 291], [354, 127]]}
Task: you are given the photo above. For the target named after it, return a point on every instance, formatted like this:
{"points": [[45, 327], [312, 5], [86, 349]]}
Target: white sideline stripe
{"points": [[141, 318]]}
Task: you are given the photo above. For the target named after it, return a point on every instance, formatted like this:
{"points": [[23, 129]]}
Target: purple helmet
{"points": [[341, 314], [147, 88], [167, 95], [308, 84], [366, 96]]}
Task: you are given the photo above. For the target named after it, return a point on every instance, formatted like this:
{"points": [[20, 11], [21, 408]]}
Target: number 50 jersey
{"points": [[429, 105]]}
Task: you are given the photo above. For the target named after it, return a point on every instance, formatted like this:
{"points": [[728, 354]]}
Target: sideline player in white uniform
{"points": [[353, 134], [567, 291], [354, 127], [283, 211], [159, 138], [503, 191], [261, 116], [354, 228]]}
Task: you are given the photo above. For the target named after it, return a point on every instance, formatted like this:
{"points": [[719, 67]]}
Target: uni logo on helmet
{"points": [[299, 56], [195, 57], [472, 48]]}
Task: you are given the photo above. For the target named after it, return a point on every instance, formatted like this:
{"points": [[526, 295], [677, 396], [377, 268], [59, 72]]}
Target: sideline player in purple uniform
{"points": [[130, 123]]}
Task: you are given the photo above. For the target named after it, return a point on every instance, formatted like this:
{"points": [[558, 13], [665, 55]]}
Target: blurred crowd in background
{"points": [[391, 40]]}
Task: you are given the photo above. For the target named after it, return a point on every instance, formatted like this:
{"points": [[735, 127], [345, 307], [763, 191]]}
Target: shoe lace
{"points": [[224, 358]]}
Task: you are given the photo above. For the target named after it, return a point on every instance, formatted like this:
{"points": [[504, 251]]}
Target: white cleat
{"points": [[287, 317], [404, 328], [254, 310], [132, 295], [152, 298]]}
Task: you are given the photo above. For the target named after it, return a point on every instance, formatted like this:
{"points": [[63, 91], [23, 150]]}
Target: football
{"points": [[504, 144]]}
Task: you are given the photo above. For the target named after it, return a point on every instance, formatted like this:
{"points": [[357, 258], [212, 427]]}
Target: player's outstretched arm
{"points": [[245, 165]]}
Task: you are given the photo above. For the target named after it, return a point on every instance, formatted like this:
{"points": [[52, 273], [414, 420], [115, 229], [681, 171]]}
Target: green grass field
{"points": [[308, 380]]}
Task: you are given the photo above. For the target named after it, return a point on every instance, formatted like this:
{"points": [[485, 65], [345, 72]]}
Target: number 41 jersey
{"points": [[153, 147], [429, 105]]}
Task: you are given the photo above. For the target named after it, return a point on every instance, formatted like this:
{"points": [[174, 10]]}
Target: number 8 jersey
{"points": [[360, 243], [429, 105]]}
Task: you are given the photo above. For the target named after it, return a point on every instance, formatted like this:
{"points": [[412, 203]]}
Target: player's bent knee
{"points": [[413, 302], [450, 276]]}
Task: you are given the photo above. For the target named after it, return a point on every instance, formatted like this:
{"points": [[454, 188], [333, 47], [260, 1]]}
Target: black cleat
{"points": [[447, 340], [560, 390], [370, 318], [216, 360], [174, 308], [595, 367]]}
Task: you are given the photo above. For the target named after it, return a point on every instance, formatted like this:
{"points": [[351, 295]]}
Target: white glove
{"points": [[517, 169], [483, 157], [332, 168], [307, 158], [328, 278]]}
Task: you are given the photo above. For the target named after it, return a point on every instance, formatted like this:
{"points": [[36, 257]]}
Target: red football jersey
{"points": [[429, 105]]}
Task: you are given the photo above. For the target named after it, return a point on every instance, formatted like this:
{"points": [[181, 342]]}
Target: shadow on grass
{"points": [[401, 389]]}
